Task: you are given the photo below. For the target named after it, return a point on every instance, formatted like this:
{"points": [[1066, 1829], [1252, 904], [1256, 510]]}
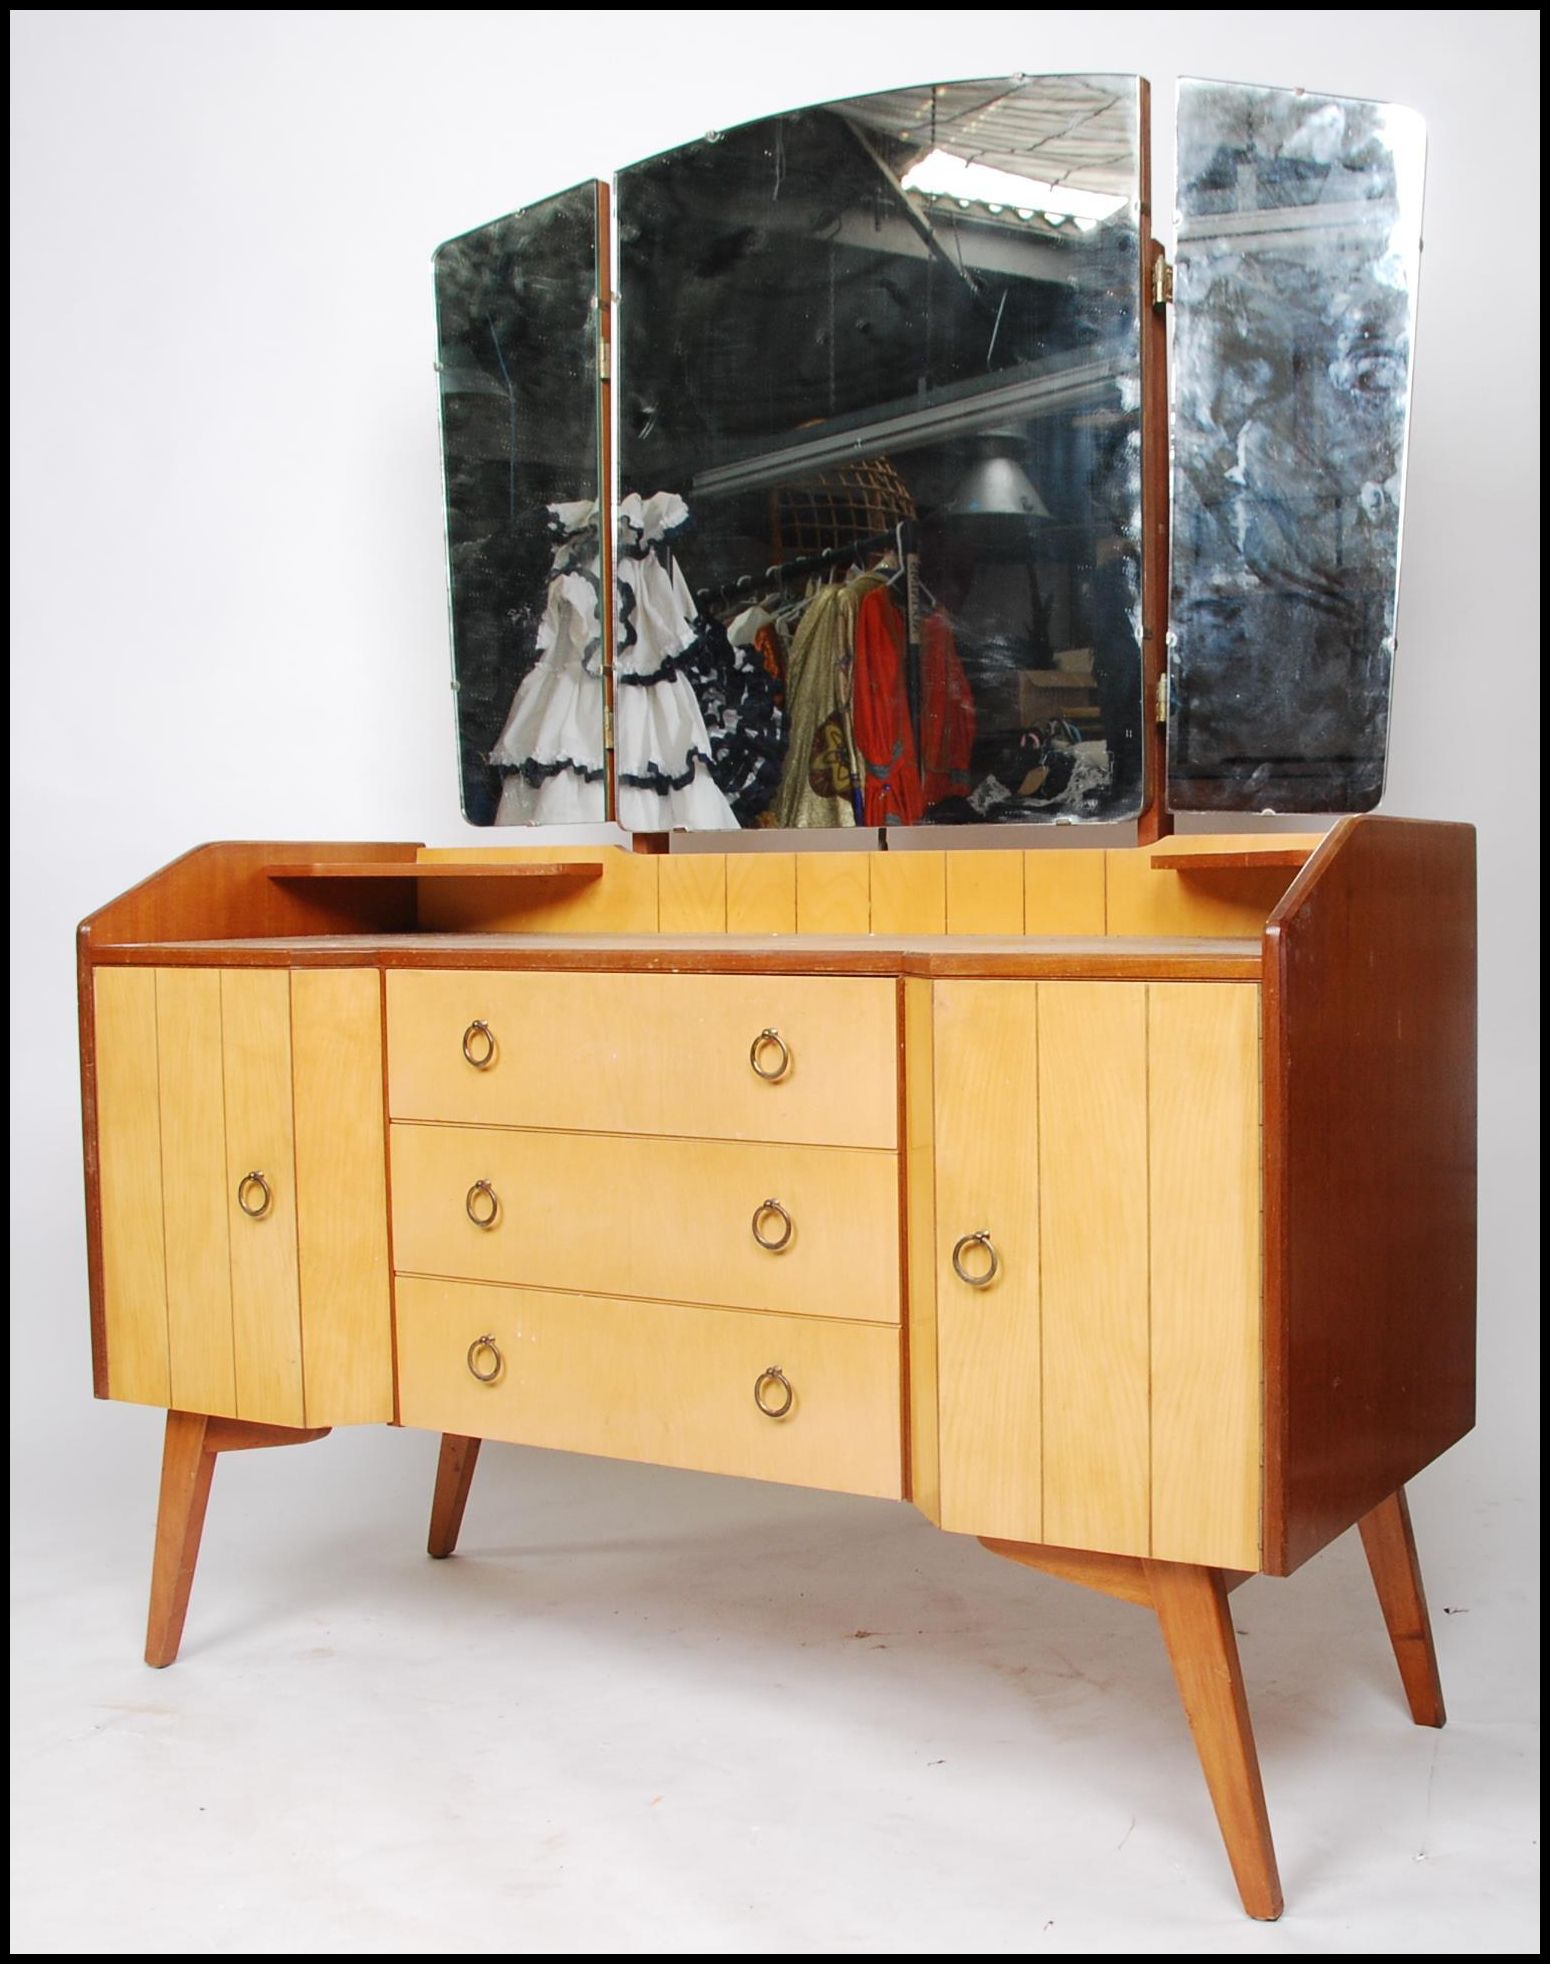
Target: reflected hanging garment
{"points": [[948, 721], [740, 702], [662, 744], [884, 737], [551, 746], [823, 771]]}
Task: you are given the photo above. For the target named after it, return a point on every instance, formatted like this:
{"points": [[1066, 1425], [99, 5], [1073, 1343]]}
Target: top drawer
{"points": [[669, 1054]]}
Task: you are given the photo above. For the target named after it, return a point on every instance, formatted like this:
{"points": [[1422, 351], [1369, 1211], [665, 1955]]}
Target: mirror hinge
{"points": [[1162, 280], [603, 351], [1162, 701]]}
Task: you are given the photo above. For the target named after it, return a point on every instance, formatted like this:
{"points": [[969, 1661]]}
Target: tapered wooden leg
{"points": [[454, 1477], [187, 1468], [1191, 1605], [1390, 1543]]}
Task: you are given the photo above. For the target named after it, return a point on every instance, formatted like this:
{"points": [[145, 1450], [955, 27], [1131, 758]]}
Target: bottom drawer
{"points": [[663, 1382]]}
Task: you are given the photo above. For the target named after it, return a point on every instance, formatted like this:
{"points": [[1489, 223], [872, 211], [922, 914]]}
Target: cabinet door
{"points": [[243, 1192], [1096, 1265]]}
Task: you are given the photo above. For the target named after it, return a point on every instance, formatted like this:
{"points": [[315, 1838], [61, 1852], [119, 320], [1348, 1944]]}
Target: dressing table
{"points": [[1112, 1204]]}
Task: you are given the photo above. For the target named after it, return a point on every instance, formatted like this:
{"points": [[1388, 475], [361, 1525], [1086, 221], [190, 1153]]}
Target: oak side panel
{"points": [[134, 1268], [1204, 1119], [1370, 1060], [265, 1299], [761, 893], [909, 892], [692, 893], [1093, 1227], [193, 1163], [834, 892], [924, 1483], [987, 1179], [341, 1186], [1220, 903], [663, 1382], [1063, 891], [984, 892]]}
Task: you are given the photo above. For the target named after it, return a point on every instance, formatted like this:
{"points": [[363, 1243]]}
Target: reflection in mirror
{"points": [[1299, 244], [516, 309], [880, 445]]}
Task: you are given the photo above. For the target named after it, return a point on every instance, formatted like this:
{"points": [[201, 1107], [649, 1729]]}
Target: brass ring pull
{"points": [[482, 1215], [774, 1375], [479, 1045], [265, 1196], [497, 1362], [961, 1247], [767, 1040], [788, 1228]]}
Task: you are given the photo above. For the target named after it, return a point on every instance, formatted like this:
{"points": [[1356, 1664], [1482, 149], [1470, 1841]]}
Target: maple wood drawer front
{"points": [[664, 1382], [648, 1053], [670, 1218]]}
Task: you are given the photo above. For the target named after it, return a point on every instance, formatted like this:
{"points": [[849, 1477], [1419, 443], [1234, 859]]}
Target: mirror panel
{"points": [[879, 457], [1299, 238], [518, 327]]}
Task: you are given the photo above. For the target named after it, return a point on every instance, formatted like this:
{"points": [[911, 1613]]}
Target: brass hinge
{"points": [[604, 353], [1162, 701], [608, 712], [1162, 280]]}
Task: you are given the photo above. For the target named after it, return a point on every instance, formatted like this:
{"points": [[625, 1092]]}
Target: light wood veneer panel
{"points": [[265, 1299], [341, 1186], [987, 1092], [649, 1054], [662, 1382], [193, 1160], [669, 1218], [134, 1266], [1092, 1179], [1204, 1118]]}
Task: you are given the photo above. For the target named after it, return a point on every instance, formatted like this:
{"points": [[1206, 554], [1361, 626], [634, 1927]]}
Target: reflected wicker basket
{"points": [[837, 507]]}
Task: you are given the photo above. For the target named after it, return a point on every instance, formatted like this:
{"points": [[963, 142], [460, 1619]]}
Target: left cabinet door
{"points": [[243, 1192]]}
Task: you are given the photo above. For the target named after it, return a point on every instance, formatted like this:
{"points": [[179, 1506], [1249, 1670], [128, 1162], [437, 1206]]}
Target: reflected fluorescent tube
{"points": [[945, 176]]}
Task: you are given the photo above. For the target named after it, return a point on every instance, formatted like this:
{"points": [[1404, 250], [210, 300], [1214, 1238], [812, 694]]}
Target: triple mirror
{"points": [[874, 556]]}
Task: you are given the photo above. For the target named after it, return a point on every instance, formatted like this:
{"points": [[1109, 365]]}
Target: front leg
{"points": [[1396, 1572]]}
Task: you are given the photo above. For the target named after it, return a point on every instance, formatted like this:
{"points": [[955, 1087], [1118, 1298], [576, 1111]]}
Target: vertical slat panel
{"points": [[1205, 1230], [265, 1305], [623, 901], [692, 893], [761, 893], [987, 1094], [134, 1267], [834, 893], [1093, 1215], [1063, 891], [341, 1183], [193, 1164], [984, 892], [1146, 901], [909, 893], [920, 1241]]}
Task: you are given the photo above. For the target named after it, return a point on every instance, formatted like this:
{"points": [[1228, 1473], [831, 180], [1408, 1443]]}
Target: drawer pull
{"points": [[482, 1204], [770, 1040], [774, 1375], [476, 1352], [783, 1240], [245, 1188], [479, 1045], [962, 1246]]}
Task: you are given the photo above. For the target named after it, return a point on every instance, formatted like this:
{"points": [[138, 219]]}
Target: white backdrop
{"points": [[230, 616]]}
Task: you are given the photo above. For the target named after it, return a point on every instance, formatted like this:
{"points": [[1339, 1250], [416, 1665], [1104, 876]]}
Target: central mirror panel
{"points": [[880, 464]]}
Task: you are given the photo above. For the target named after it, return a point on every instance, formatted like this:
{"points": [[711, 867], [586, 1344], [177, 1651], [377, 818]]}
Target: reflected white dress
{"points": [[663, 748], [552, 744]]}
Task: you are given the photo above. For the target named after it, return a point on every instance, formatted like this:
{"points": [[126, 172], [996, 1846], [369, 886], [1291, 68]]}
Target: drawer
{"points": [[649, 1053], [670, 1218], [664, 1382]]}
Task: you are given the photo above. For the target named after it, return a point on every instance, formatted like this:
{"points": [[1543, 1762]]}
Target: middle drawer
{"points": [[809, 1230]]}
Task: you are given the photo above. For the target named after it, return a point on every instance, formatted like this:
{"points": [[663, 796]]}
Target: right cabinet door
{"points": [[1096, 1267]]}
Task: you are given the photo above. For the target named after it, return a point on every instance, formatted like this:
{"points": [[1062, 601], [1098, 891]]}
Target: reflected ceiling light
{"points": [[941, 174]]}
